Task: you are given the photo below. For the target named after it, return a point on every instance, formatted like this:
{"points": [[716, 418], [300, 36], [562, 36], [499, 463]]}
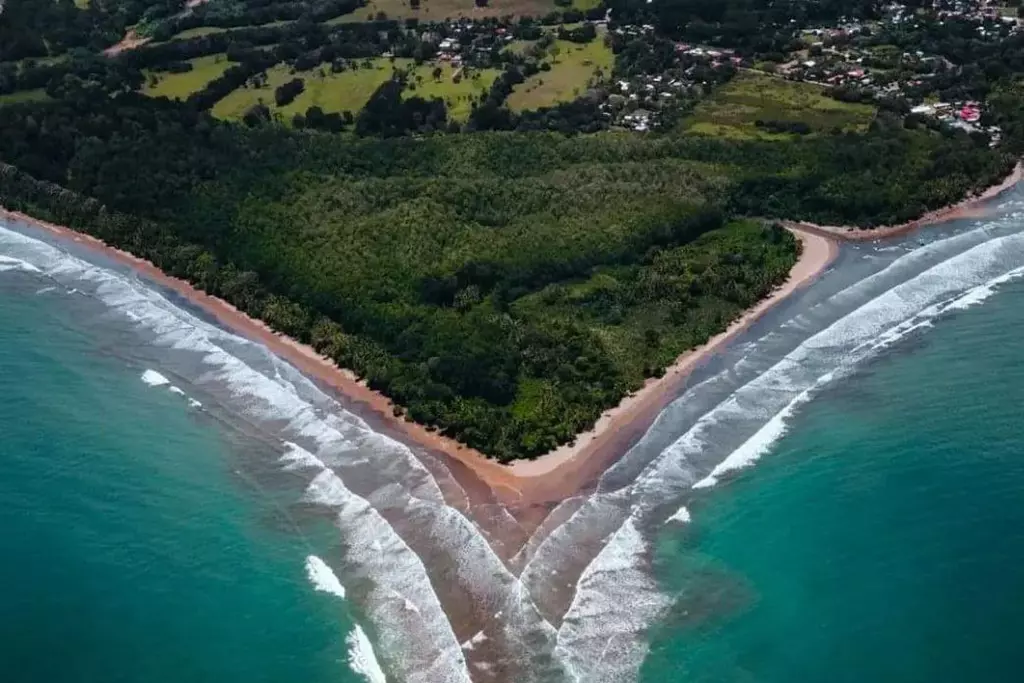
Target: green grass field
{"points": [[735, 107], [35, 95], [573, 68], [457, 95], [180, 86], [345, 91]]}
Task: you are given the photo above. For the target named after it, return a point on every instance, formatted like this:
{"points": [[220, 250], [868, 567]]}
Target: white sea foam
{"points": [[758, 444], [682, 516], [11, 264], [323, 577], [422, 640], [362, 658], [192, 403], [154, 379], [296, 457], [601, 639]]}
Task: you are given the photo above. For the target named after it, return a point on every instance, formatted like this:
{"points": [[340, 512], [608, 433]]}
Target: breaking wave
{"points": [[323, 577], [11, 264], [154, 379], [682, 516], [361, 657]]}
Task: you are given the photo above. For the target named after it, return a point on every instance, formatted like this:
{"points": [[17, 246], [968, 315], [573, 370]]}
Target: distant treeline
{"points": [[253, 13]]}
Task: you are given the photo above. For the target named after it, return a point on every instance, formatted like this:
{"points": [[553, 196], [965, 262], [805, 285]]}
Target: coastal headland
{"points": [[529, 488], [524, 484]]}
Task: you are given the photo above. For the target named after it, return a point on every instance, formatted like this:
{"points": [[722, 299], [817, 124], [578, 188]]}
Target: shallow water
{"points": [[578, 602]]}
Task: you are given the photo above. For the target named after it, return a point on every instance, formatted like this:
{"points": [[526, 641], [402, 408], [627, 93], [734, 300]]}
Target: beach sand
{"points": [[527, 487]]}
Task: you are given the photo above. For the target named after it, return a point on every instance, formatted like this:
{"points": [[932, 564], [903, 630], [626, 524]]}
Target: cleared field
{"points": [[35, 95], [457, 87], [573, 68], [180, 86], [735, 108], [345, 91], [444, 9]]}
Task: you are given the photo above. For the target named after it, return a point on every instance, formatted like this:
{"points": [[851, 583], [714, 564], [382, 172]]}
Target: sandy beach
{"points": [[526, 485], [968, 208]]}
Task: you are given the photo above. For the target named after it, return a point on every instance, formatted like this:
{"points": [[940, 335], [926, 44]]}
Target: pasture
{"points": [[573, 68], [348, 90], [734, 109], [459, 88], [180, 86]]}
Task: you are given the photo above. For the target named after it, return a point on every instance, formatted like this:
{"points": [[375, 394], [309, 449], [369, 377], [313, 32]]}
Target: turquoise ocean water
{"points": [[835, 498], [881, 539], [136, 545]]}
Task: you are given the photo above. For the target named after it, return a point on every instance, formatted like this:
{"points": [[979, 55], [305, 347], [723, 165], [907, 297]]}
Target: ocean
{"points": [[833, 498], [141, 541], [880, 540]]}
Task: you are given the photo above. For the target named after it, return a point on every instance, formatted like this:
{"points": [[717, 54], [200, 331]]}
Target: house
{"points": [[970, 113]]}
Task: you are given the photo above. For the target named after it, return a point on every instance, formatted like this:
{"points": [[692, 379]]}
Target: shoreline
{"points": [[523, 485], [583, 461], [966, 208]]}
